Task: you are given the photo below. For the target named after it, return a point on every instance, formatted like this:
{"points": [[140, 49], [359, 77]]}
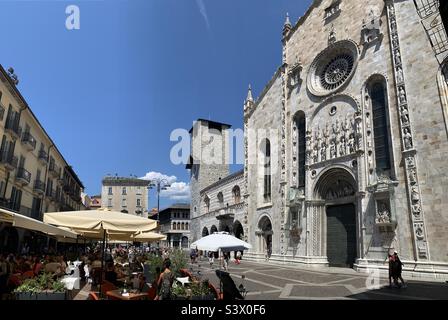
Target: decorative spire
{"points": [[287, 26], [249, 95]]}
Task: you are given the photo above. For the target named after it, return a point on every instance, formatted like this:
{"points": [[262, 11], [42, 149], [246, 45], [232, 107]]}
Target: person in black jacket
{"points": [[229, 289], [397, 268]]}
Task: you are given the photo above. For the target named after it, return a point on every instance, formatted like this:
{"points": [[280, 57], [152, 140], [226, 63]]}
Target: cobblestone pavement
{"points": [[271, 281]]}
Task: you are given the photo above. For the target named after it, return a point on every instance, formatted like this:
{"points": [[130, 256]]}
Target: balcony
{"points": [[29, 141], [39, 186], [9, 161], [23, 176], [13, 128], [52, 195], [54, 170], [43, 157]]}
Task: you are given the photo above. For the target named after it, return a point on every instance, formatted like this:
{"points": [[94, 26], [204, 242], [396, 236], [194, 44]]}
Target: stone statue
{"points": [[383, 215], [415, 197], [342, 146], [400, 77], [323, 151], [407, 139], [315, 153], [294, 134], [351, 144], [402, 95], [332, 149], [404, 115], [336, 128], [397, 57]]}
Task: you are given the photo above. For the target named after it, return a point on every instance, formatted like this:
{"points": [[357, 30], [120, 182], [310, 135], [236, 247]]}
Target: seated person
{"points": [[111, 275]]}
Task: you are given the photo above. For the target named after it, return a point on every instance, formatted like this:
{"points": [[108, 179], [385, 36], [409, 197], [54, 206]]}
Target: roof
{"points": [[184, 206], [223, 180], [213, 123], [124, 181]]}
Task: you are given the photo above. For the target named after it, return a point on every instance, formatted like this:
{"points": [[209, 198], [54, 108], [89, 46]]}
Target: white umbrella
{"points": [[220, 241]]}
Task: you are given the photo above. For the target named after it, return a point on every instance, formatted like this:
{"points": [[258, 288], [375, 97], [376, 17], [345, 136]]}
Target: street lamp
{"points": [[160, 184]]}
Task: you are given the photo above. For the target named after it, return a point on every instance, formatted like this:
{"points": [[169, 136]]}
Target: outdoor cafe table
{"points": [[116, 294]]}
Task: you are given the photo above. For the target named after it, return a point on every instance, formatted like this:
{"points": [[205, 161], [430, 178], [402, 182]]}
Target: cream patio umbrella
{"points": [[21, 221], [141, 237], [97, 224]]}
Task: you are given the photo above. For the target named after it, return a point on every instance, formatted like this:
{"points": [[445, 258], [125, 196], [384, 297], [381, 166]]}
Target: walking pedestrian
{"points": [[398, 266], [211, 257], [391, 260]]}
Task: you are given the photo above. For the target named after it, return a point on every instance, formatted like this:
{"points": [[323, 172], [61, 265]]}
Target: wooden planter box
{"points": [[40, 296]]}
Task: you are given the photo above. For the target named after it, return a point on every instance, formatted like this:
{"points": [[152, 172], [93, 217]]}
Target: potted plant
{"points": [[179, 292], [43, 287], [201, 291]]}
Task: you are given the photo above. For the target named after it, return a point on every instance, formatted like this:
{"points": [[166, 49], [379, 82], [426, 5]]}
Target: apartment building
{"points": [[34, 176], [127, 195]]}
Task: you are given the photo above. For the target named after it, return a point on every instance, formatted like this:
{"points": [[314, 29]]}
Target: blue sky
{"points": [[110, 93]]}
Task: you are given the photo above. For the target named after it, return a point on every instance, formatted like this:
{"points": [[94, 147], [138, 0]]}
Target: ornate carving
{"points": [[371, 31], [402, 95], [332, 35], [404, 115], [407, 139], [341, 189], [383, 214]]}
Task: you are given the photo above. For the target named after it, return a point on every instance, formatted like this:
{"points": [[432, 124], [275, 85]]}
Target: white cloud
{"points": [[159, 176], [176, 190], [203, 12]]}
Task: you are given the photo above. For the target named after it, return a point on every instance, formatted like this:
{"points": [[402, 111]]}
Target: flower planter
{"points": [[40, 296]]}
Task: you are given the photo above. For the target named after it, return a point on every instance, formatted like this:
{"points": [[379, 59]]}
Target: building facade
{"points": [[346, 146], [34, 176], [175, 224], [127, 195]]}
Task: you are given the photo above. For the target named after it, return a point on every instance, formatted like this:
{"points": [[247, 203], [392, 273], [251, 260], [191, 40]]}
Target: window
{"points": [[16, 199], [236, 194], [139, 190], [138, 203], [332, 10], [207, 204], [174, 225], [110, 191], [266, 148], [183, 226], [186, 226], [443, 8], [178, 226], [301, 146], [123, 192], [220, 199], [380, 128], [123, 202]]}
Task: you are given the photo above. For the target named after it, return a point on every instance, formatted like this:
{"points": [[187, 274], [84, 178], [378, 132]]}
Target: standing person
{"points": [[226, 258], [165, 281], [238, 257], [398, 268], [391, 261], [211, 257]]}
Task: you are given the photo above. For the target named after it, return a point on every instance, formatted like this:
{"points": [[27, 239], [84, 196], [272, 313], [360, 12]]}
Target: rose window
{"points": [[332, 68]]}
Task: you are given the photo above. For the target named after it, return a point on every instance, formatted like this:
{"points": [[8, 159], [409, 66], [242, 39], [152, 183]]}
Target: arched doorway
{"points": [[213, 229], [265, 236], [335, 192], [184, 242], [205, 232], [238, 230]]}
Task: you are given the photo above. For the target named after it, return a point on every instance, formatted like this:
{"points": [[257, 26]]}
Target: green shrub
{"points": [[43, 282], [178, 261]]}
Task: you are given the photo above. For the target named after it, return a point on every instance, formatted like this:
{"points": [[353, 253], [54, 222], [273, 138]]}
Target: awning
{"points": [[20, 221]]}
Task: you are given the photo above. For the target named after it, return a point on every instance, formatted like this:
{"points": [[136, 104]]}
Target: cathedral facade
{"points": [[346, 147]]}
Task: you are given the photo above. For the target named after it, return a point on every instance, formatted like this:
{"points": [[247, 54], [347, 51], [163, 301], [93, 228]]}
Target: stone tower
{"points": [[209, 162]]}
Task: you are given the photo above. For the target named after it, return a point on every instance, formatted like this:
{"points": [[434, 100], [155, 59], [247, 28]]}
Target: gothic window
{"points": [[443, 8], [381, 132], [236, 194], [333, 10], [174, 225], [220, 199], [301, 146], [266, 148], [207, 204]]}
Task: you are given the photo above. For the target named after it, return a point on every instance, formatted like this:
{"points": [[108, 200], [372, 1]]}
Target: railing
{"points": [[13, 126], [43, 156], [27, 138], [24, 175], [39, 186], [9, 160], [54, 169]]}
